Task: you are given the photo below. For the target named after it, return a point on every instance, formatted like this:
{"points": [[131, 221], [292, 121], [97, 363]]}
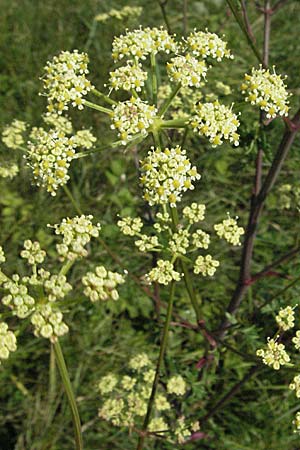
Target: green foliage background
{"points": [[103, 337]]}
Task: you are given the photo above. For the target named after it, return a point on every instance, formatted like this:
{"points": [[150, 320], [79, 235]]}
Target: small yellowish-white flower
{"points": [[8, 170], [17, 298], [296, 422], [55, 286], [107, 383], [33, 252], [229, 230], [163, 222], [2, 255], [149, 376], [217, 122], [102, 284], [65, 80], [161, 403], [48, 323], [130, 226], [84, 139], [267, 90], [181, 430], [8, 341], [112, 411], [139, 361], [187, 70], [296, 340], [128, 382], [205, 44], [12, 135], [132, 117], [163, 273], [179, 242], [201, 239], [147, 243], [77, 233], [128, 77], [286, 318], [176, 385], [275, 354], [132, 12], [223, 88], [157, 425], [60, 123], [50, 155], [206, 265], [166, 174], [137, 403], [295, 385], [139, 43], [194, 213]]}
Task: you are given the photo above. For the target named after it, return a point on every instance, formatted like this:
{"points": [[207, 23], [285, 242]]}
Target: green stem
{"points": [[97, 107], [135, 140], [176, 123], [104, 97], [165, 106], [187, 279], [163, 346], [69, 392], [156, 140], [72, 199], [154, 78]]}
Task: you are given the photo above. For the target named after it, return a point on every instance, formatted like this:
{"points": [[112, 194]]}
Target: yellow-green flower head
{"points": [[49, 155], [286, 318], [84, 139], [107, 383], [205, 44], [102, 284], [132, 117], [275, 354], [8, 341], [187, 70], [158, 425], [33, 252], [55, 286], [2, 255], [112, 411], [48, 323], [201, 239], [176, 385], [12, 135], [128, 383], [58, 122], [296, 422], [206, 265], [166, 174], [9, 170], [132, 12], [194, 213], [179, 242], [163, 273], [129, 77], [139, 43], [17, 297], [161, 403], [130, 226], [139, 362], [296, 340], [217, 122], [137, 404], [147, 243], [77, 233], [266, 90], [295, 385], [229, 230], [65, 80], [183, 431]]}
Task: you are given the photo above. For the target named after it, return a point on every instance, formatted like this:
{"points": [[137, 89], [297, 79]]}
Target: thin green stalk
{"points": [[187, 279], [176, 123], [97, 107], [135, 140], [104, 97], [52, 377], [72, 199], [163, 346], [154, 78], [165, 106], [69, 392], [156, 139]]}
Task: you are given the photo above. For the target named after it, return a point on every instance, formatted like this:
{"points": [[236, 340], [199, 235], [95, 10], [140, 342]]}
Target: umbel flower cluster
{"points": [[275, 354], [49, 151], [125, 399], [40, 295]]}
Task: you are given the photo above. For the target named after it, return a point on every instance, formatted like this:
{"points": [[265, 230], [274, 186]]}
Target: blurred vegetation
{"points": [[103, 337]]}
